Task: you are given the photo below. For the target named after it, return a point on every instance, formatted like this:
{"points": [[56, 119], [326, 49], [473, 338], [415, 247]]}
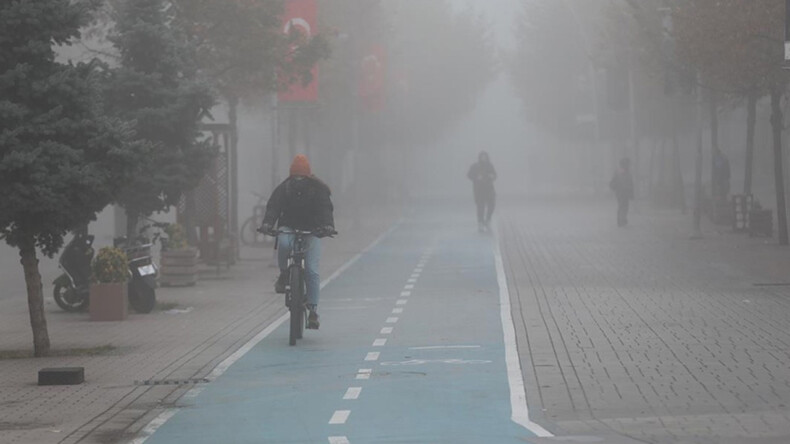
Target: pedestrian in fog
{"points": [[622, 184], [483, 175]]}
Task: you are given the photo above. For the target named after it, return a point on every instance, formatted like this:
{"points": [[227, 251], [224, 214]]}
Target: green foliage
{"points": [[736, 45], [61, 157], [176, 238], [240, 46], [110, 266], [158, 88]]}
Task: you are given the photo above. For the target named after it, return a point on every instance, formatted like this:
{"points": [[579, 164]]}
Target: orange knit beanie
{"points": [[300, 166]]}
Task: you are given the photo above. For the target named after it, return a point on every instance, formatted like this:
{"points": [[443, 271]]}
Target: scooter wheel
{"points": [[69, 299], [142, 298]]}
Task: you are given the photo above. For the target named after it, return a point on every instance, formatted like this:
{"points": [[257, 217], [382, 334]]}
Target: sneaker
{"points": [[282, 281], [312, 320]]}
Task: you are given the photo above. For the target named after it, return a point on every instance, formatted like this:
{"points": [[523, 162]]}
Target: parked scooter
{"points": [[71, 288], [142, 284]]}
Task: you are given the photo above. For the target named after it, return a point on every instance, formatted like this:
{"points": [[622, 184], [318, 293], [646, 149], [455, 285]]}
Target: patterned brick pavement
{"points": [[220, 315], [644, 333]]}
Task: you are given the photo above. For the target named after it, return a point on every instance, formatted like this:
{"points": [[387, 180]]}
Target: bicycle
{"points": [[296, 289], [250, 236]]}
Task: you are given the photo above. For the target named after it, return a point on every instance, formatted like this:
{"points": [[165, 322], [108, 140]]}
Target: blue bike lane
{"points": [[410, 349]]}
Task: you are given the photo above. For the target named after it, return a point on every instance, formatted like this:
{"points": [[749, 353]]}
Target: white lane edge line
{"points": [[380, 342], [372, 356], [352, 393], [443, 347], [338, 440], [339, 417], [223, 366], [518, 396]]}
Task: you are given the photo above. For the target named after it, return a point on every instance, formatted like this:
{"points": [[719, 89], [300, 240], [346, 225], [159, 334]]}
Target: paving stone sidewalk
{"points": [[170, 348], [643, 333]]}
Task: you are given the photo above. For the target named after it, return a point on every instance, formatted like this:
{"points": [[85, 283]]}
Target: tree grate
{"points": [[192, 381]]}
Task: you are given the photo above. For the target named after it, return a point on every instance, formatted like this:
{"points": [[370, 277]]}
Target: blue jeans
{"points": [[311, 260]]}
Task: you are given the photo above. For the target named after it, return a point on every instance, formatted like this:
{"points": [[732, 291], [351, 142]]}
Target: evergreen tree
{"points": [[157, 88], [60, 158]]}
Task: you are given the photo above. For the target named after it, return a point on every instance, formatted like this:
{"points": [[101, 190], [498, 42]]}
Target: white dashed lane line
{"points": [[352, 393], [339, 417]]}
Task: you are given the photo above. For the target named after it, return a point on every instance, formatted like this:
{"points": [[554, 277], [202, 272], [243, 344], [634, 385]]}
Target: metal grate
{"points": [[192, 381]]}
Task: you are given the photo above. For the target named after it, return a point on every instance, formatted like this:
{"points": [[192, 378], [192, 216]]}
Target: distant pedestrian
{"points": [[622, 184], [483, 175]]}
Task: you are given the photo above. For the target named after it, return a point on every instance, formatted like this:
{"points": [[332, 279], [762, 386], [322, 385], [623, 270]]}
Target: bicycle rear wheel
{"points": [[296, 305]]}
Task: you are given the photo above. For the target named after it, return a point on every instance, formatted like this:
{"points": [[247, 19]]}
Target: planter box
{"points": [[179, 267], [108, 302]]}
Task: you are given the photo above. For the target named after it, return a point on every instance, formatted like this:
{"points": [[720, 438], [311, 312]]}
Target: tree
{"points": [[61, 159], [736, 45], [158, 88], [241, 48]]}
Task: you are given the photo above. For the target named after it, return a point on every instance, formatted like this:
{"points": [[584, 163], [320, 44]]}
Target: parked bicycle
{"points": [[250, 236], [296, 290]]}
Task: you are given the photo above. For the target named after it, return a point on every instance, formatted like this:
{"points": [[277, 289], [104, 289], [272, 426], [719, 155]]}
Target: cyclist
{"points": [[301, 202]]}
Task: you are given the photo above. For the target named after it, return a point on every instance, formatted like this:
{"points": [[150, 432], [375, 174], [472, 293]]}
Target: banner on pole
{"points": [[301, 16]]}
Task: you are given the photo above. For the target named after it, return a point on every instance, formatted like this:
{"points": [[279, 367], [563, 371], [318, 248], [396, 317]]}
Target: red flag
{"points": [[303, 16], [372, 83]]}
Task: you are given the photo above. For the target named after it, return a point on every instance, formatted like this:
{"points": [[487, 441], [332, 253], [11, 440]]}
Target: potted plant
{"points": [[108, 293], [179, 261]]}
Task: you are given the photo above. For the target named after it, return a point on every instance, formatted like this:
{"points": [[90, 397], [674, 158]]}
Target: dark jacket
{"points": [[622, 184], [482, 175], [301, 203]]}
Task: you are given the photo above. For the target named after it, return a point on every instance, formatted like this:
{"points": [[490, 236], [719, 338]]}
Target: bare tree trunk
{"points": [[698, 174], [714, 139], [751, 123], [35, 298], [678, 193], [233, 120], [777, 126]]}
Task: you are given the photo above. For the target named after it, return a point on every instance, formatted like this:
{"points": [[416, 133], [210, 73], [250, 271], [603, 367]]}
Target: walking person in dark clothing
{"points": [[622, 184], [483, 175]]}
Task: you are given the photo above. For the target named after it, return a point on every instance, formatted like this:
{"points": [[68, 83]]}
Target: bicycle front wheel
{"points": [[296, 305]]}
